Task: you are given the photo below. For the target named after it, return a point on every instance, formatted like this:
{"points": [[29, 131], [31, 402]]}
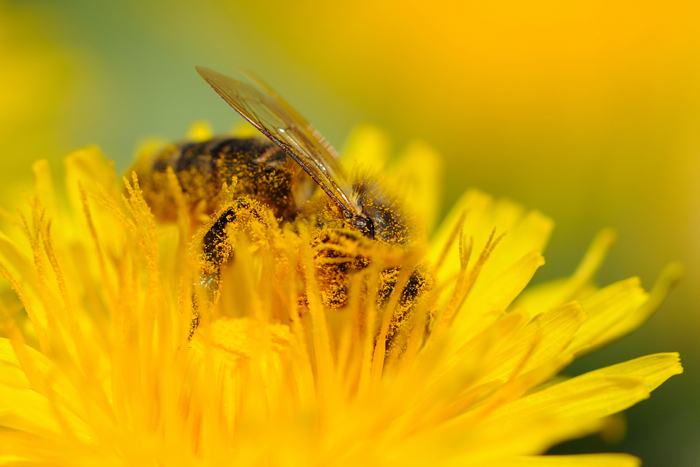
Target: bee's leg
{"points": [[217, 250], [418, 284], [335, 257]]}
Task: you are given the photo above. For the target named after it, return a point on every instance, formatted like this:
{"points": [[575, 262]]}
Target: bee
{"points": [[282, 175]]}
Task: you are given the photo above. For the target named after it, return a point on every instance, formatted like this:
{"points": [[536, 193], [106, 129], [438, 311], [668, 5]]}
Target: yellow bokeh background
{"points": [[588, 111]]}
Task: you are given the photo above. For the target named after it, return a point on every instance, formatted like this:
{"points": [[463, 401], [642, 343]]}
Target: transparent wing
{"points": [[285, 127]]}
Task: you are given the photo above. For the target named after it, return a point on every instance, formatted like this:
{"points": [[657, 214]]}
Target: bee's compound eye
{"points": [[364, 225]]}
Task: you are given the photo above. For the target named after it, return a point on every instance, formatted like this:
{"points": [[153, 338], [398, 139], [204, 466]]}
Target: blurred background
{"points": [[586, 110]]}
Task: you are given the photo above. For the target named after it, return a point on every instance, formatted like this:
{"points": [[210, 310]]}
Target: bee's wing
{"points": [[285, 127]]}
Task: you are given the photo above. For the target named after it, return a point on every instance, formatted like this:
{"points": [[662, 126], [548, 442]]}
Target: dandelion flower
{"points": [[100, 365]]}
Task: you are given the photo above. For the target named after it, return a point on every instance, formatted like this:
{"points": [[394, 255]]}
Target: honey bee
{"points": [[281, 175]]}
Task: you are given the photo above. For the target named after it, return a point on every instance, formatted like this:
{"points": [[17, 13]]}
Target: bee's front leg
{"points": [[213, 248], [216, 249], [411, 292]]}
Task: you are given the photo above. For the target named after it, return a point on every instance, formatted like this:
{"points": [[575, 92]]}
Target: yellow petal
{"points": [[606, 308], [90, 168], [599, 393], [495, 295], [588, 460], [550, 294], [40, 376], [16, 259], [668, 278], [26, 410], [542, 339], [524, 232], [12, 375], [529, 435], [579, 399], [417, 178], [199, 131], [43, 187], [652, 370], [368, 148]]}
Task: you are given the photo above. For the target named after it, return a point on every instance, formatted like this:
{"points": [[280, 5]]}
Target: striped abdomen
{"points": [[263, 171]]}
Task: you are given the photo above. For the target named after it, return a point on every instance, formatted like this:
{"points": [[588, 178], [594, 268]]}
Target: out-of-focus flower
{"points": [[98, 365], [36, 84]]}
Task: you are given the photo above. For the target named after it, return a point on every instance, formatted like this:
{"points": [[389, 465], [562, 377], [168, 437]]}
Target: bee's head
{"points": [[365, 225], [382, 218]]}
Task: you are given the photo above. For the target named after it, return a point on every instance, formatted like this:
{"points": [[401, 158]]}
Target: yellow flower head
{"points": [[118, 351]]}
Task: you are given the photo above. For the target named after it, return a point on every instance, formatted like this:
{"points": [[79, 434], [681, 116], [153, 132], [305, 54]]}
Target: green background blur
{"points": [[588, 111]]}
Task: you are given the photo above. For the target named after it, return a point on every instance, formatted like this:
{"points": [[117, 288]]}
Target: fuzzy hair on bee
{"points": [[392, 221], [262, 169]]}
